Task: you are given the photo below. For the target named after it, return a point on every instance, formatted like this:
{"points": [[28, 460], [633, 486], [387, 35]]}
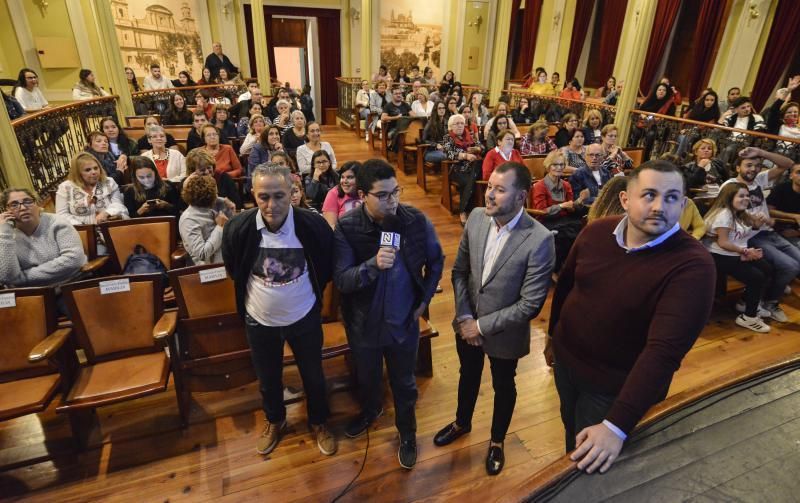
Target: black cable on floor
{"points": [[350, 484]]}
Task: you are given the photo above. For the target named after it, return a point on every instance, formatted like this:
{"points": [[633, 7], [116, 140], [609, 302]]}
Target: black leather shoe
{"points": [[495, 460], [407, 453], [358, 426], [449, 433]]}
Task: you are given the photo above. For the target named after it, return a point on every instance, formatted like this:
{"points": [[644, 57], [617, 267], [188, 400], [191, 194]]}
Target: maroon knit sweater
{"points": [[624, 321]]}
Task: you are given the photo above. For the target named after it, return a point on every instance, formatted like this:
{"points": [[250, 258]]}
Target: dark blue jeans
{"points": [[401, 360], [580, 406], [266, 349]]}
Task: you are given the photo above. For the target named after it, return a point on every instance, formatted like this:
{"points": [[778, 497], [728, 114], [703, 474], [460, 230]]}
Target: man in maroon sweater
{"points": [[633, 296]]}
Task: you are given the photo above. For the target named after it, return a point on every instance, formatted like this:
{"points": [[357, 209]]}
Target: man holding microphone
{"points": [[387, 264]]}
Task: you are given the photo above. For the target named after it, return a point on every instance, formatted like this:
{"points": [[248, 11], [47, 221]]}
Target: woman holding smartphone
{"points": [[149, 195]]}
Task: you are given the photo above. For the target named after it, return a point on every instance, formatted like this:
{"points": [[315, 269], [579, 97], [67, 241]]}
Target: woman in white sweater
{"points": [[305, 152], [201, 223], [88, 196], [171, 164]]}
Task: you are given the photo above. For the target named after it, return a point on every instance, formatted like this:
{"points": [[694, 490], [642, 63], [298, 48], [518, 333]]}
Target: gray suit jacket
{"points": [[515, 289]]}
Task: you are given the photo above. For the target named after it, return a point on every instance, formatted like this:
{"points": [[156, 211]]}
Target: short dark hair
{"points": [[734, 87], [154, 65], [522, 177], [741, 100], [353, 166], [740, 160], [198, 112], [371, 171], [656, 165]]}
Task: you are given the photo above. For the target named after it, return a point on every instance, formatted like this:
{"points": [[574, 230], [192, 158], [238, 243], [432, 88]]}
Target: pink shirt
{"points": [[339, 205]]}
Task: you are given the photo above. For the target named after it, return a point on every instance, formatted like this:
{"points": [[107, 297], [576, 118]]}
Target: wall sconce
{"points": [[43, 5], [355, 14], [556, 20], [226, 8], [476, 23], [753, 10]]}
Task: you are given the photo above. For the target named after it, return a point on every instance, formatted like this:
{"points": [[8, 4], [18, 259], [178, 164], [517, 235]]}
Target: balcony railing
{"points": [[661, 134], [49, 138], [554, 108], [154, 102]]}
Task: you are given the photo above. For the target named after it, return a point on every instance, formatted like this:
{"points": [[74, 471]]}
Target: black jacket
{"points": [[241, 241]]}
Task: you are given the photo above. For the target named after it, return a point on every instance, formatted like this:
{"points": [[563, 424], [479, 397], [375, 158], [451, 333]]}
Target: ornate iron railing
{"points": [[155, 102], [49, 138], [661, 134], [554, 108], [346, 90]]}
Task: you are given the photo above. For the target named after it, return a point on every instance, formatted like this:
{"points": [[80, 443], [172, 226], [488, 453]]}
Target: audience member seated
{"points": [[457, 92], [660, 101], [607, 202], [783, 113], [422, 106], [170, 163], [149, 195], [592, 127], [427, 76], [612, 97], [323, 179], [554, 195], [299, 194], [452, 106], [295, 137], [433, 134], [184, 80], [223, 123], [541, 85], [572, 90], [283, 120], [691, 220], [313, 144], [201, 223], [344, 197], [593, 175], [705, 168], [733, 95], [449, 79], [479, 110], [378, 99], [382, 76], [501, 109], [269, 143], [133, 82], [281, 158], [603, 91], [729, 227], [500, 123], [362, 101], [704, 109], [28, 93], [616, 160], [226, 160], [524, 114], [575, 152], [246, 100], [229, 79], [569, 123], [741, 116], [459, 145], [677, 99], [554, 81], [257, 124], [177, 113], [88, 195], [119, 145], [202, 101], [216, 60], [784, 202], [36, 248], [86, 88], [272, 106], [195, 138], [392, 112], [201, 163], [155, 80], [536, 142], [206, 78], [503, 151], [472, 123], [143, 143], [13, 107], [115, 167], [243, 126]]}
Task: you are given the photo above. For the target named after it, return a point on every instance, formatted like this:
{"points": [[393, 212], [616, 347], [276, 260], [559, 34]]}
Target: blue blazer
{"points": [[583, 179]]}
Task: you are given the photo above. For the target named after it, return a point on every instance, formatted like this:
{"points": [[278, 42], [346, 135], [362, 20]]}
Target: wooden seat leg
{"points": [[82, 422]]}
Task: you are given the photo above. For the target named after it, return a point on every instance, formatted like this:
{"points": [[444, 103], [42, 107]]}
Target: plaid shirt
{"points": [[531, 148]]}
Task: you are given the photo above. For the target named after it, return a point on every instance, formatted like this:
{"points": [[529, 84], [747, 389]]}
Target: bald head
{"points": [[594, 156]]}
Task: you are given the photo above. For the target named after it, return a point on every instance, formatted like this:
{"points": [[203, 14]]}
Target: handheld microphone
{"points": [[390, 237]]}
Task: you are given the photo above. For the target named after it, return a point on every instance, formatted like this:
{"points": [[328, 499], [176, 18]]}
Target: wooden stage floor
{"points": [[139, 453]]}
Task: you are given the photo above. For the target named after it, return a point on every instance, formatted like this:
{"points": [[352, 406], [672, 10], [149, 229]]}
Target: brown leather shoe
{"points": [[270, 437], [325, 439]]}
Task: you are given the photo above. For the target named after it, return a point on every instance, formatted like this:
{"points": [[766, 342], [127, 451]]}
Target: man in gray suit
{"points": [[500, 279]]}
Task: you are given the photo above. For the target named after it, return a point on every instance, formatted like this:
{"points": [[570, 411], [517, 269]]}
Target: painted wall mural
{"points": [[411, 33]]}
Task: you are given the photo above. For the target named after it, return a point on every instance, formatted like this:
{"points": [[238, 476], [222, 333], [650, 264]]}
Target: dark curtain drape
{"points": [[709, 23], [530, 28], [583, 15], [783, 41], [666, 14], [330, 59], [612, 14]]}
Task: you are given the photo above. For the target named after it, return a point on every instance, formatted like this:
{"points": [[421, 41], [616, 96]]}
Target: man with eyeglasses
{"points": [[36, 249], [592, 177], [385, 289]]}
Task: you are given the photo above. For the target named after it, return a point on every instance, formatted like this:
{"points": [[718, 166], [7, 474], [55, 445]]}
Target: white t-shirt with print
{"points": [[738, 236], [758, 196]]}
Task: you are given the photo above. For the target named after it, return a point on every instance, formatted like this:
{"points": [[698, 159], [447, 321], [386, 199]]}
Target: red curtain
{"points": [[781, 45], [612, 14], [530, 28], [709, 24], [583, 14], [666, 14]]}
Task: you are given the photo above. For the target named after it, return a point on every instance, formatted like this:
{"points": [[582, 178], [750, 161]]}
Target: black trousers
{"points": [[266, 349], [580, 406], [465, 181], [401, 361], [755, 274], [469, 384]]}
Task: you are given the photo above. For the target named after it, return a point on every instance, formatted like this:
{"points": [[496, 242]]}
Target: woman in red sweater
{"points": [[226, 159], [503, 152]]}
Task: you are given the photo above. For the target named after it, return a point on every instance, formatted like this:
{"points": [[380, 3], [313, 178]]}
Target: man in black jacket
{"points": [[386, 285], [279, 259], [217, 60]]}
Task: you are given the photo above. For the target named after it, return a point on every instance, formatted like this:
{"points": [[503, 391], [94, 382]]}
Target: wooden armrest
{"points": [[165, 326], [94, 264], [50, 345], [179, 255], [784, 220], [536, 213]]}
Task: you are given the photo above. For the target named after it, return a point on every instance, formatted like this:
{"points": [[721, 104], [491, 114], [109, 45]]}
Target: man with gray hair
{"points": [[279, 259]]}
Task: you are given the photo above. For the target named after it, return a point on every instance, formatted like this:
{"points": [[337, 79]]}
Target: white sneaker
{"points": [[755, 323], [776, 313], [762, 311], [366, 137]]}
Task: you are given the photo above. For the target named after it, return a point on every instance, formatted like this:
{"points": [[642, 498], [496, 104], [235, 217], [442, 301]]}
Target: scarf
{"points": [[464, 142], [88, 88]]}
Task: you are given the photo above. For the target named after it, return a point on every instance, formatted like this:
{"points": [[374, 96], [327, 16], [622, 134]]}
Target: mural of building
{"points": [[172, 39], [405, 42]]}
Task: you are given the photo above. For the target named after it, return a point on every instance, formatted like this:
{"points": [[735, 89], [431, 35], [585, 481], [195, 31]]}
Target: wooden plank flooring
{"points": [[139, 452]]}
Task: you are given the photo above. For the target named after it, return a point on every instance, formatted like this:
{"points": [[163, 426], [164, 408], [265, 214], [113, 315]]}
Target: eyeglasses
{"points": [[557, 165], [15, 205], [322, 162], [594, 155], [384, 196]]}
